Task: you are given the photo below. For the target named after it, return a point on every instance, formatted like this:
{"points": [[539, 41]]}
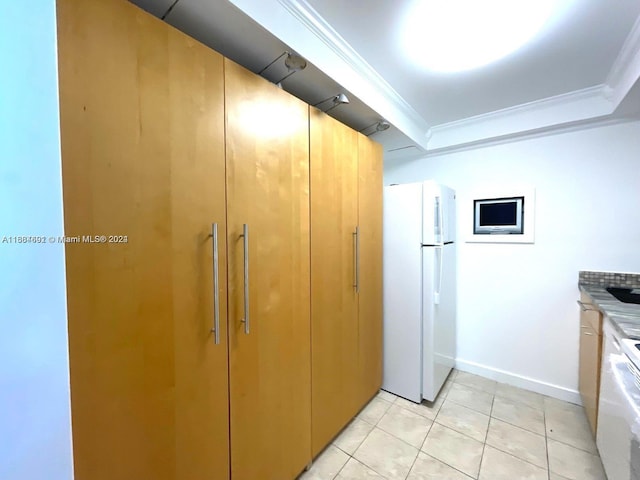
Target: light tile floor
{"points": [[476, 428]]}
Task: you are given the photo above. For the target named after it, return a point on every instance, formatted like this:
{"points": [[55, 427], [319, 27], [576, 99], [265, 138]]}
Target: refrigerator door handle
{"points": [[441, 216], [440, 255], [437, 226]]}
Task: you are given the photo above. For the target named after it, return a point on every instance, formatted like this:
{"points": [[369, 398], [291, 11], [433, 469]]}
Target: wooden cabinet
{"points": [[334, 301], [346, 274], [267, 141], [197, 203], [142, 132], [370, 269], [164, 142], [590, 358]]}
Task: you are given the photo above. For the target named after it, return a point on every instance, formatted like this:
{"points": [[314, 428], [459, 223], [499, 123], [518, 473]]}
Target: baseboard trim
{"points": [[502, 376]]}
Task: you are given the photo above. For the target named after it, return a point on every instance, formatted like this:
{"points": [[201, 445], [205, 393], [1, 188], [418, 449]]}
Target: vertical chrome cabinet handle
{"points": [[245, 236], [216, 285], [356, 259]]}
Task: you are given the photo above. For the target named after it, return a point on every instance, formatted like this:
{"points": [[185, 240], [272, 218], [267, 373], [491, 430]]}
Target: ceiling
{"points": [[568, 68], [574, 51]]}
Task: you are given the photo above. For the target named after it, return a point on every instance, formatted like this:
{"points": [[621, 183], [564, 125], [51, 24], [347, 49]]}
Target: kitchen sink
{"points": [[625, 295]]}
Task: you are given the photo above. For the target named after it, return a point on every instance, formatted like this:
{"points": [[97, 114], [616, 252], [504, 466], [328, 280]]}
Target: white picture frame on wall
{"points": [[466, 207]]}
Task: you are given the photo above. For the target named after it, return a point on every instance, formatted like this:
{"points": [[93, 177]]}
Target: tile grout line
{"points": [[497, 448], [574, 447], [417, 455], [442, 461], [384, 431], [450, 466], [494, 396], [365, 437], [571, 445], [528, 431], [342, 467], [468, 407], [433, 422], [425, 438], [546, 444], [428, 430], [517, 401], [438, 411], [484, 445], [518, 426]]}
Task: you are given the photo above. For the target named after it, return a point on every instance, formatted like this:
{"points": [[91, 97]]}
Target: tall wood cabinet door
{"points": [[198, 237], [116, 169], [137, 143], [334, 307], [268, 191], [370, 268]]}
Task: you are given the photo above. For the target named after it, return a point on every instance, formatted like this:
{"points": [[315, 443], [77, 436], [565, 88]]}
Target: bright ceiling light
{"points": [[458, 35]]}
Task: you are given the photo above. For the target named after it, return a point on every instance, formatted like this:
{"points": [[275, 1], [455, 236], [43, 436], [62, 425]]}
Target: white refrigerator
{"points": [[419, 262]]}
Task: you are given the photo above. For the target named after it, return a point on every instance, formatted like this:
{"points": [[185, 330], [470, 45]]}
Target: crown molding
{"points": [[604, 121], [320, 28], [297, 23], [557, 101], [548, 112], [626, 68], [591, 105]]}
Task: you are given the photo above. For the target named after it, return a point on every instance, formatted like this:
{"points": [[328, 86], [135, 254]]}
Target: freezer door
{"points": [[449, 212], [439, 214], [432, 211], [402, 273], [438, 317]]}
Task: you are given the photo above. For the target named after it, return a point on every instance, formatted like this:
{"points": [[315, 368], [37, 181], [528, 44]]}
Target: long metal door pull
{"points": [[356, 259], [216, 285], [245, 236]]}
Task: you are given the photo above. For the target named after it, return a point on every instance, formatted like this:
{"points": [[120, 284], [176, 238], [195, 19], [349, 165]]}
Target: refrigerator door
{"points": [[433, 211], [439, 214], [402, 293], [449, 213], [438, 317]]}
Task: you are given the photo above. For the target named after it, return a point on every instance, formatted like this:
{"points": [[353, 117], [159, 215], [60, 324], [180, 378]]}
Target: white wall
{"points": [[517, 311], [35, 432]]}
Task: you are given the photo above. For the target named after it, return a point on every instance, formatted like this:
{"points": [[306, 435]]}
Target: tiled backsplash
{"points": [[610, 279]]}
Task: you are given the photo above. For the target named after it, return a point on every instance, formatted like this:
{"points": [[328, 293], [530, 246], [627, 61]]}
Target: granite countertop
{"points": [[624, 316]]}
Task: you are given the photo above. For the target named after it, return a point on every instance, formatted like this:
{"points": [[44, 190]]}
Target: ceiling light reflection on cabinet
{"points": [[269, 119], [458, 35]]}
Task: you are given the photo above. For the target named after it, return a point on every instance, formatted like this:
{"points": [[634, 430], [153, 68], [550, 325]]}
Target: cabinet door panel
{"points": [[196, 100], [113, 74], [268, 189], [141, 133], [370, 261], [334, 308]]}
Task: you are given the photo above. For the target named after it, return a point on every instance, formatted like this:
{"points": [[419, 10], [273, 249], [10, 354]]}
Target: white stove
{"points": [[618, 436], [631, 350]]}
